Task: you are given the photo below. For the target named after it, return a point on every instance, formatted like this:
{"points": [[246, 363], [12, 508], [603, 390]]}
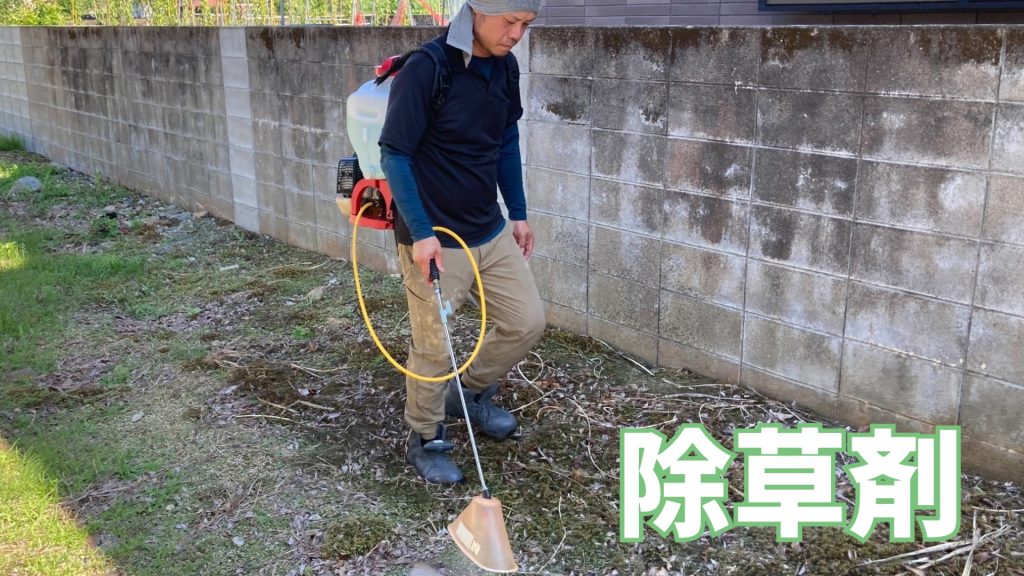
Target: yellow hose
{"points": [[366, 316]]}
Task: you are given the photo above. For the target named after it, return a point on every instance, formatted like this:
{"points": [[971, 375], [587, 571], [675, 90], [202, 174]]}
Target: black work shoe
{"points": [[430, 458], [493, 421]]}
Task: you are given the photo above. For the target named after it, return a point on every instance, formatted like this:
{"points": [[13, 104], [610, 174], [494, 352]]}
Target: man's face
{"points": [[496, 34]]}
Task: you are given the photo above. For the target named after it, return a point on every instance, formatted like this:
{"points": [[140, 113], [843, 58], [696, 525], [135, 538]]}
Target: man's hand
{"points": [[524, 237], [423, 251]]}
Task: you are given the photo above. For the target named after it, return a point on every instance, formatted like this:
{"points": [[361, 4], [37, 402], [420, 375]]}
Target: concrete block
{"points": [[1004, 221], [236, 73], [236, 103], [559, 99], [272, 199], [810, 121], [300, 208], [632, 106], [701, 324], [296, 176], [925, 263], [674, 355], [823, 184], [558, 193], [267, 137], [991, 411], [814, 59], [273, 225], [860, 415], [633, 342], [1011, 87], [706, 221], [804, 240], [932, 199], [561, 239], [821, 402], [715, 55], [626, 255], [709, 167], [563, 51], [946, 62], [240, 133], [623, 302], [268, 169], [332, 245], [565, 318], [702, 274], [560, 282], [630, 157], [1008, 148], [244, 190], [999, 279], [712, 112], [635, 208], [302, 235], [994, 462], [814, 300], [910, 386], [559, 146], [242, 163], [329, 218], [220, 208], [295, 110], [949, 133], [799, 355], [906, 323], [632, 53]]}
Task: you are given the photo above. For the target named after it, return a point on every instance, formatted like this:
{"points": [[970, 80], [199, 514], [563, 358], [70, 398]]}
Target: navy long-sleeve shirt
{"points": [[445, 166]]}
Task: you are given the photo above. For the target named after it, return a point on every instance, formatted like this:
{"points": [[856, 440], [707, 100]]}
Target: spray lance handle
{"points": [[435, 274]]}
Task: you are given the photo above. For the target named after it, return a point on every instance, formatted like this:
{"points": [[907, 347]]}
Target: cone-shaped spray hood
{"points": [[480, 533]]}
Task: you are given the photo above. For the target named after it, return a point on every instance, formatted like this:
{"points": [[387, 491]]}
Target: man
{"points": [[444, 165]]}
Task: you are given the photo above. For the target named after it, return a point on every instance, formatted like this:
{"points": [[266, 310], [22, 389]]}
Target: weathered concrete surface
{"points": [[831, 215]]}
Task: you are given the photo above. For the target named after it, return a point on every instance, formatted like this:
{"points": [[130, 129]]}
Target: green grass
{"points": [[41, 285], [10, 143], [78, 452], [36, 535]]}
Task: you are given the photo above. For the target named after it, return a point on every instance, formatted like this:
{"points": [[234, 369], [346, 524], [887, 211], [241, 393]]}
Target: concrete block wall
{"points": [[245, 123], [14, 111], [143, 107], [745, 13], [828, 215]]}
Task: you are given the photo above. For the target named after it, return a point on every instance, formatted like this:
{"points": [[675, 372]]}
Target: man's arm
{"points": [[406, 122], [510, 183]]}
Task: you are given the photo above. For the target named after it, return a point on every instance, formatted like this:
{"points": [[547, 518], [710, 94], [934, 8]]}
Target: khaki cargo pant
{"points": [[513, 305]]}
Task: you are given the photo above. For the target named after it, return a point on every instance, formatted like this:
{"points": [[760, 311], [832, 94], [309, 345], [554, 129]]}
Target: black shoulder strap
{"points": [[442, 81], [512, 66]]}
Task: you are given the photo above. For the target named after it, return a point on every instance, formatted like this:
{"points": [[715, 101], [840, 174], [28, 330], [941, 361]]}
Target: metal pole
{"points": [[435, 276]]}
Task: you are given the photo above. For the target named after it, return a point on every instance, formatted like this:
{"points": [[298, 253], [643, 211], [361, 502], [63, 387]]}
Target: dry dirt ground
{"points": [[226, 413]]}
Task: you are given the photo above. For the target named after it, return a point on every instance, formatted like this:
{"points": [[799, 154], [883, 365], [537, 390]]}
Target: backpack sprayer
{"points": [[363, 194]]}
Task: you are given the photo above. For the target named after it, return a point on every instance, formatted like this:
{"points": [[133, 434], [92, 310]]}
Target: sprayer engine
{"points": [[355, 191], [361, 179]]}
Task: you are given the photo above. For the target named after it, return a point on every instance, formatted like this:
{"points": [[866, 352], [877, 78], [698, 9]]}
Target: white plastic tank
{"points": [[366, 108]]}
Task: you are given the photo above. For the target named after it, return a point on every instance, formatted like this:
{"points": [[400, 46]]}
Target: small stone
{"points": [[239, 541], [25, 185], [24, 373], [138, 416]]}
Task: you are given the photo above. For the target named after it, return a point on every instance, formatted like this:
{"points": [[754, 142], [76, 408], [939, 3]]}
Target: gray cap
{"points": [[460, 31]]}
